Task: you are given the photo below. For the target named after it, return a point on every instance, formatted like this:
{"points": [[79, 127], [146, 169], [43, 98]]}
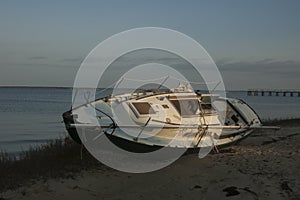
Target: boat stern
{"points": [[69, 119]]}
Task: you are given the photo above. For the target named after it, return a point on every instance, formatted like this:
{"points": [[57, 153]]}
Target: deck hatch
{"points": [[143, 108]]}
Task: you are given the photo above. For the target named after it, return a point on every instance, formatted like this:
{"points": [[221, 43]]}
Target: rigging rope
{"points": [[116, 83]]}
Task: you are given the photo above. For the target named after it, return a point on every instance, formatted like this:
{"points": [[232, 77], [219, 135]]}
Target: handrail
{"points": [[136, 138]]}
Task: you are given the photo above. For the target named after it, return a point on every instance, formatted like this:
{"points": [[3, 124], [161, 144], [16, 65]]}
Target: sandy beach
{"points": [[263, 166]]}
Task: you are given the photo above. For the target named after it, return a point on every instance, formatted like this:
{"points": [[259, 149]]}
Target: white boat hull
{"points": [[167, 129]]}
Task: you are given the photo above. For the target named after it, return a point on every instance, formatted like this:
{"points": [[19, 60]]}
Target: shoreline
{"points": [[263, 166]]}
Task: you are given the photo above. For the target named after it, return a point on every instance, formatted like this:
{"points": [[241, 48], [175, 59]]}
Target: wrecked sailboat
{"points": [[146, 120]]}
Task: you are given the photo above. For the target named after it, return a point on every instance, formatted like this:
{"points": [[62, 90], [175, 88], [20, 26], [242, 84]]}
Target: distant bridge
{"points": [[272, 92]]}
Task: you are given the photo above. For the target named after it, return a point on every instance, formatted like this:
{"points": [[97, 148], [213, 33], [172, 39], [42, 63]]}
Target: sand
{"points": [[265, 165]]}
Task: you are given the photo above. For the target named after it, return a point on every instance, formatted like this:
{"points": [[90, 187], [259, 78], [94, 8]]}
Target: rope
{"points": [[113, 85], [194, 82], [147, 80]]}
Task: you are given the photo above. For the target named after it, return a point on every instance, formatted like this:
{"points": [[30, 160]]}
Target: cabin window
{"points": [[186, 107], [143, 108], [206, 106], [165, 106]]}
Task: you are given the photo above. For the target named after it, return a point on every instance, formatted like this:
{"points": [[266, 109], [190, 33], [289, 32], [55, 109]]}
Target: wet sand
{"points": [[265, 165]]}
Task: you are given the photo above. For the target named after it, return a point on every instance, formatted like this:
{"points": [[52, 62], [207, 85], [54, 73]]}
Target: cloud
{"points": [[38, 58], [265, 73], [73, 60], [266, 65]]}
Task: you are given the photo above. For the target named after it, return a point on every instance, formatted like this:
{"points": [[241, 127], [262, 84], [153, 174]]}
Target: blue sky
{"points": [[254, 43]]}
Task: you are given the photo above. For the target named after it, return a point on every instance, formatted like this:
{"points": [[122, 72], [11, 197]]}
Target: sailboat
{"points": [[146, 120]]}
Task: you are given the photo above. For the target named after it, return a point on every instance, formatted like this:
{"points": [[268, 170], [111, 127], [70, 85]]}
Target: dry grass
{"points": [[59, 158]]}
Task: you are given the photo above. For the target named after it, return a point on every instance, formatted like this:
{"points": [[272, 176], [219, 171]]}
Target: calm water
{"points": [[32, 116]]}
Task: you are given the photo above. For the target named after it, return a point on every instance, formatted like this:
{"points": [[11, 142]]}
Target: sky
{"points": [[255, 44]]}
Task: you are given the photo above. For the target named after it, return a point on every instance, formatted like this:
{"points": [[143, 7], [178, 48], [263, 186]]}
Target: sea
{"points": [[33, 116]]}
